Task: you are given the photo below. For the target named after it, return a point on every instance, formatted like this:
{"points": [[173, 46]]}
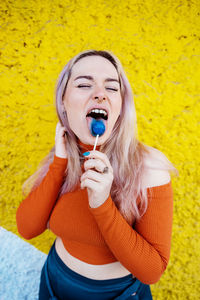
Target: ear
{"points": [[64, 113]]}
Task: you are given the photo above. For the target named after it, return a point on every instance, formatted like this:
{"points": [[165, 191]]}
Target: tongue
{"points": [[97, 127]]}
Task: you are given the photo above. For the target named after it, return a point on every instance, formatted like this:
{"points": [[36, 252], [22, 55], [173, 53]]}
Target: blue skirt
{"points": [[60, 282]]}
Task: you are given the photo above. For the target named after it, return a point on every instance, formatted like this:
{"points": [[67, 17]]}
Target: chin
{"points": [[87, 140], [90, 140]]}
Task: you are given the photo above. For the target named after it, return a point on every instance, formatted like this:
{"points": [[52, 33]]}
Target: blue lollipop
{"points": [[97, 129]]}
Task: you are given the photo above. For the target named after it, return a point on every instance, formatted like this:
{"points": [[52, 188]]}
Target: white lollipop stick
{"points": [[95, 144]]}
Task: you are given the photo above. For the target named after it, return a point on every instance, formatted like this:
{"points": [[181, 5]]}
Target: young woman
{"points": [[110, 208]]}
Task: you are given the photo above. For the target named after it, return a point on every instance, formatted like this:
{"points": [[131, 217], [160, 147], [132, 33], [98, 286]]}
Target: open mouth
{"points": [[97, 114]]}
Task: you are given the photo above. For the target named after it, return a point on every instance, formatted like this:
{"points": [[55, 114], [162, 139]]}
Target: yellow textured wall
{"points": [[158, 43]]}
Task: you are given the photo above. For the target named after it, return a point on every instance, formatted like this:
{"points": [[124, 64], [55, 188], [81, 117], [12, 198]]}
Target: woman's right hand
{"points": [[60, 143]]}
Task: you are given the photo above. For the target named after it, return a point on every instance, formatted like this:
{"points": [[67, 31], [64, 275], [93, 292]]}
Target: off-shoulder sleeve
{"points": [[34, 211], [143, 249]]}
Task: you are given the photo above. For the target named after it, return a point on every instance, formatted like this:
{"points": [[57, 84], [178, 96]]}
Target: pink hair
{"points": [[125, 152]]}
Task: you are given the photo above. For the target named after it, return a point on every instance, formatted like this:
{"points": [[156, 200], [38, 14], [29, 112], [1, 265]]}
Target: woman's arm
{"points": [[144, 250], [34, 211]]}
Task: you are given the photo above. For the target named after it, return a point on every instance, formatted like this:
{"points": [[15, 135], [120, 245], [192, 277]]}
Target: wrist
{"points": [[95, 204], [103, 208], [60, 155]]}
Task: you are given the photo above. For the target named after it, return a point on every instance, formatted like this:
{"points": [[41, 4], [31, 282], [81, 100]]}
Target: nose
{"points": [[99, 96]]}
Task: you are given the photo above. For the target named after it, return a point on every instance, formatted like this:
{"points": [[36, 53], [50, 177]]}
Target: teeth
{"points": [[99, 111]]}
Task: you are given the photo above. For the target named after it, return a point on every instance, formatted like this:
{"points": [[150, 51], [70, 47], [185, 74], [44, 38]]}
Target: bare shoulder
{"points": [[155, 168]]}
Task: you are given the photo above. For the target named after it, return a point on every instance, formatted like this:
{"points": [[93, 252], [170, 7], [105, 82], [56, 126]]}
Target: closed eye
{"points": [[83, 86], [112, 89]]}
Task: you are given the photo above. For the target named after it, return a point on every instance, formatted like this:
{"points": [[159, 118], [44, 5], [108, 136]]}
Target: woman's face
{"points": [[94, 84]]}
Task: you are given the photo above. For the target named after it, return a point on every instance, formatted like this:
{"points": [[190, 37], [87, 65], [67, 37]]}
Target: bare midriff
{"points": [[98, 272]]}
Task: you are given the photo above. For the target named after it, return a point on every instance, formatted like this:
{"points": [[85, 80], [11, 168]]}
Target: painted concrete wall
{"points": [[158, 43]]}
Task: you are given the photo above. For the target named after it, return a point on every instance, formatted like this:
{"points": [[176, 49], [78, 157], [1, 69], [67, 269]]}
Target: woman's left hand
{"points": [[97, 178]]}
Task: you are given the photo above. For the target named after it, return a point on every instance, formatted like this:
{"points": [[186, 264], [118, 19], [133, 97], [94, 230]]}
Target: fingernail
{"points": [[86, 153]]}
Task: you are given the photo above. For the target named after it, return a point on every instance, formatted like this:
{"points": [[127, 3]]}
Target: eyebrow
{"points": [[91, 78]]}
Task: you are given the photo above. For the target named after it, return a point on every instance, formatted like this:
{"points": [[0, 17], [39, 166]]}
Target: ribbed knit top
{"points": [[101, 235]]}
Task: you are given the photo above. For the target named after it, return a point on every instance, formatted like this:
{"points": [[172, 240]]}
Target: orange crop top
{"points": [[101, 235]]}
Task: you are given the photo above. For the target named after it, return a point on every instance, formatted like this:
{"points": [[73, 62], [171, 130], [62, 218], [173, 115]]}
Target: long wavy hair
{"points": [[126, 154]]}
